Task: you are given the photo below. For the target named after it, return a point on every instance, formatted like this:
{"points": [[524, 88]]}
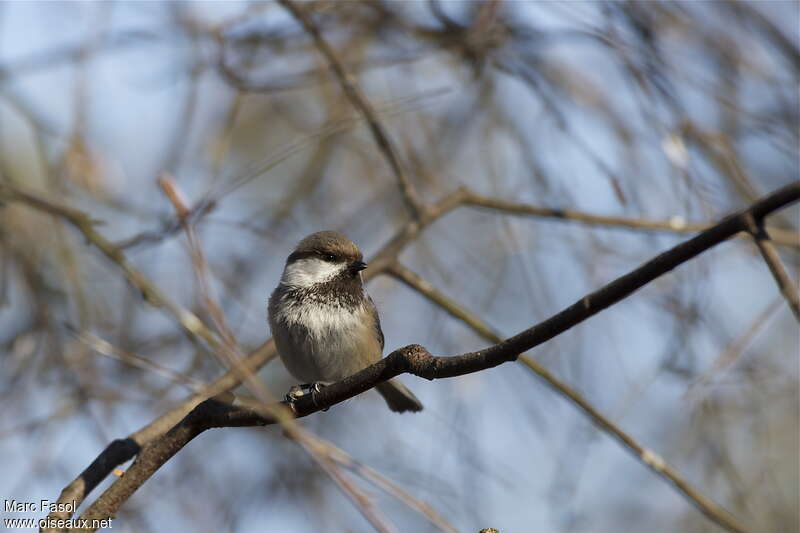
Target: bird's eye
{"points": [[329, 257]]}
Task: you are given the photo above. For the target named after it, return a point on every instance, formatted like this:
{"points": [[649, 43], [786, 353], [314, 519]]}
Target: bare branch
{"points": [[734, 349], [773, 260], [652, 461], [359, 100], [85, 224], [103, 347], [377, 479], [415, 359], [673, 225], [322, 453]]}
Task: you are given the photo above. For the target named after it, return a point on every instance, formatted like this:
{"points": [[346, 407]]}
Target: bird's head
{"points": [[323, 257]]}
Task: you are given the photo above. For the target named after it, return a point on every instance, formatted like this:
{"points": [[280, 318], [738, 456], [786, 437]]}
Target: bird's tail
{"points": [[398, 397]]}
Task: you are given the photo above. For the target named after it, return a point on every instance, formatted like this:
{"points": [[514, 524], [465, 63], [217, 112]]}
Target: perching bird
{"points": [[326, 327]]}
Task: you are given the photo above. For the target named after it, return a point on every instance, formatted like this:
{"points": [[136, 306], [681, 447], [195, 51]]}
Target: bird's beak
{"points": [[357, 266]]}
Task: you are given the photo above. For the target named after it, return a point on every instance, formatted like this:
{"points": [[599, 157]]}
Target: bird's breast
{"points": [[320, 341]]}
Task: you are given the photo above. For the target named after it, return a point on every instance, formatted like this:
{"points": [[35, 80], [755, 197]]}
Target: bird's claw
{"points": [[294, 394], [298, 391]]}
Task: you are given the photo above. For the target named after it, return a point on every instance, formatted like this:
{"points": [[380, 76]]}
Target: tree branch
{"points": [[649, 458], [773, 260], [415, 359], [673, 225], [356, 96], [86, 225]]}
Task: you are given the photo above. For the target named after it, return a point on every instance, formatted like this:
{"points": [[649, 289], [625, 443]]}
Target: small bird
{"points": [[326, 327]]}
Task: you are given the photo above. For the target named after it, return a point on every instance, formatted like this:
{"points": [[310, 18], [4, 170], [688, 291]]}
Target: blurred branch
{"points": [[673, 225], [103, 347], [773, 260], [123, 450], [734, 349], [218, 413], [38, 61], [209, 203], [374, 477], [85, 224], [361, 103], [415, 359], [785, 44], [361, 500], [229, 351]]}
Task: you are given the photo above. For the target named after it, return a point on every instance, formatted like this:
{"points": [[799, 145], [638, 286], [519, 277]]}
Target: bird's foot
{"points": [[298, 391]]}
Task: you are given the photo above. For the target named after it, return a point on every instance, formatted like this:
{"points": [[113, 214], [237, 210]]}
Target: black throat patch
{"points": [[345, 290]]}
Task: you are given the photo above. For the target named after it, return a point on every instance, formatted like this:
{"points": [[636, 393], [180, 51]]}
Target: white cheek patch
{"points": [[310, 271]]}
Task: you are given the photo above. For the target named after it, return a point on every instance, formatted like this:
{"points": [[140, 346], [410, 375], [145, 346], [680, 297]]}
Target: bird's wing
{"points": [[376, 321]]}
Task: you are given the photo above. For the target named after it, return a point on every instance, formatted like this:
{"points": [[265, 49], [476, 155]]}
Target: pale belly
{"points": [[325, 344]]}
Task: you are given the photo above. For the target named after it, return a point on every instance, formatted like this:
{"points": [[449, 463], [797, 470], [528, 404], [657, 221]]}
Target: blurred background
{"points": [[675, 112]]}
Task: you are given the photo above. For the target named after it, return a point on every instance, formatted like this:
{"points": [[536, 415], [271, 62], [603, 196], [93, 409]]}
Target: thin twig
{"points": [[322, 452], [86, 225], [209, 203], [673, 225], [359, 100], [103, 347], [734, 349], [200, 265], [391, 488], [773, 260]]}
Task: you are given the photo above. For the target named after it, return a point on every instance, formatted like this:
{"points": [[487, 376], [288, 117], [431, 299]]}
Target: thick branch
{"points": [[420, 363], [209, 414]]}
